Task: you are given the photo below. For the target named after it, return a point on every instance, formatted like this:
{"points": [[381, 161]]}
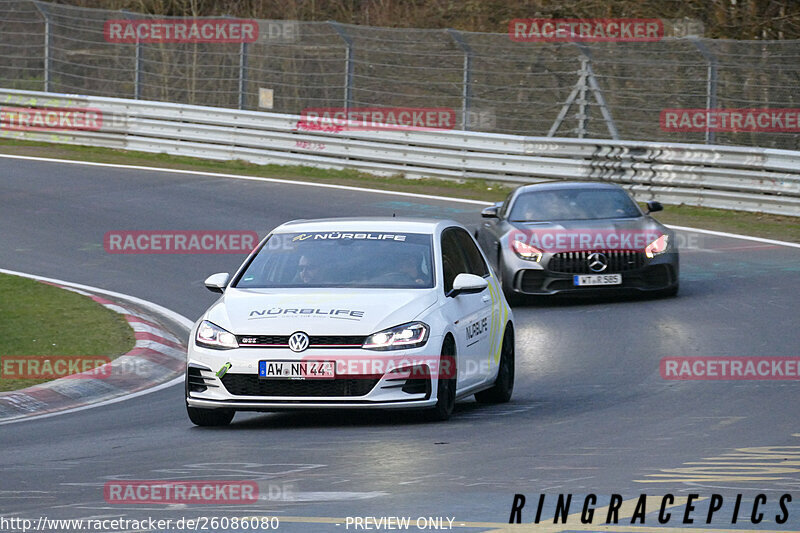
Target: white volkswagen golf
{"points": [[353, 313]]}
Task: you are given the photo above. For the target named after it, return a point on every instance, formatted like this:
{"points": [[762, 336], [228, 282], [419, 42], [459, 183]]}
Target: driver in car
{"points": [[408, 265], [308, 269]]}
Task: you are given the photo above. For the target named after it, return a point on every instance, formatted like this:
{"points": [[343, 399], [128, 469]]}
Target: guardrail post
{"points": [[137, 71], [349, 67], [466, 87], [47, 40], [711, 82]]}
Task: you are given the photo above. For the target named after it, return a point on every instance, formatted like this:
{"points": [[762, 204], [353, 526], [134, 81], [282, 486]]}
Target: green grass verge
{"points": [[40, 319], [761, 225]]}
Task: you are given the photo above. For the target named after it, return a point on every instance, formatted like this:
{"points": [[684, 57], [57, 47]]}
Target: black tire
{"points": [[207, 417], [504, 384], [445, 388]]}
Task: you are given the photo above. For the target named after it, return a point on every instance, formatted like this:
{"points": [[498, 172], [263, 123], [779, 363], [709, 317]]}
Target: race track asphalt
{"points": [[590, 412]]}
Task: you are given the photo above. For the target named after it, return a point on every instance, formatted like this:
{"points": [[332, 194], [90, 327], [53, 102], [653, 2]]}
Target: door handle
{"points": [[486, 298]]}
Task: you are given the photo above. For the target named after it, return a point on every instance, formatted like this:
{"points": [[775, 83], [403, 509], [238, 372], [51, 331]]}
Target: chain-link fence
{"points": [[598, 90]]}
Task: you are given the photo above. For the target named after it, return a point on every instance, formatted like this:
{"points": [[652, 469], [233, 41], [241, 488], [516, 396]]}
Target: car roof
{"points": [[368, 224], [561, 185]]}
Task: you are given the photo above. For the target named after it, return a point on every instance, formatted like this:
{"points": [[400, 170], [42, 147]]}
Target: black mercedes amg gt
{"points": [[576, 237]]}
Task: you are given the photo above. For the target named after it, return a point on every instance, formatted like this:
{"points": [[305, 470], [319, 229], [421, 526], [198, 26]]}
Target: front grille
{"points": [[335, 340], [252, 385], [577, 262], [657, 276], [282, 341], [532, 280]]}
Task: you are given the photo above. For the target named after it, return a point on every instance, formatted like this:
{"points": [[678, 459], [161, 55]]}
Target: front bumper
{"points": [[241, 388], [261, 405], [526, 277]]}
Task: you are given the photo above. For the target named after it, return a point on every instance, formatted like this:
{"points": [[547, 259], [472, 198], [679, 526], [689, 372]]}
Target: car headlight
{"points": [[212, 336], [411, 335], [526, 251], [658, 246]]}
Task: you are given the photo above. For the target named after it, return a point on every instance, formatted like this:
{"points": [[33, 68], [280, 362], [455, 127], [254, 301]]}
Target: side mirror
{"points": [[217, 282], [653, 206], [490, 212], [468, 284]]}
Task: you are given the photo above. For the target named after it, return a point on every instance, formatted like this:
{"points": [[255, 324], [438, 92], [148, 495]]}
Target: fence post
{"points": [[466, 90], [243, 75], [711, 83], [137, 72], [349, 67], [47, 41]]}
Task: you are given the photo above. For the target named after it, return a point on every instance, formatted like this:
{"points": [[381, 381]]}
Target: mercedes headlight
{"points": [[526, 251], [212, 336], [411, 335], [657, 247]]}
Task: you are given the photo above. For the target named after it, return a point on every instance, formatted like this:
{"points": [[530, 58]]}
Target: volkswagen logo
{"points": [[597, 262], [298, 341]]}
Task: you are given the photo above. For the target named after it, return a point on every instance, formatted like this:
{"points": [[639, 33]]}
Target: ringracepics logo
{"points": [[336, 119], [730, 368], [774, 120], [647, 510], [49, 119], [54, 366], [544, 30], [180, 492], [179, 242], [181, 31]]}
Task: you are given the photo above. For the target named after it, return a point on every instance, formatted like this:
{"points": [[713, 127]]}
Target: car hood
{"points": [[317, 311], [605, 224], [572, 235]]}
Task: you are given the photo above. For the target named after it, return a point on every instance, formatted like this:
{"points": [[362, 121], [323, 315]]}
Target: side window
{"points": [[453, 262], [475, 263]]}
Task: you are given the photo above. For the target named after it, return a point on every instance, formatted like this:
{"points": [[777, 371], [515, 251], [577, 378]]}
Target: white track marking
{"points": [[249, 178], [350, 188]]}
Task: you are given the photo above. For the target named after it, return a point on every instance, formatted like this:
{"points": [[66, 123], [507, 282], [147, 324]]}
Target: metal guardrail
{"points": [[743, 178]]}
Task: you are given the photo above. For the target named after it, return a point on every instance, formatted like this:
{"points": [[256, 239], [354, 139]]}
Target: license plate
{"points": [[296, 369], [598, 279]]}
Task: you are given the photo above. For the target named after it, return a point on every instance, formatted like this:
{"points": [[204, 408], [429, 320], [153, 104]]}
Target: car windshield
{"points": [[573, 204], [342, 259]]}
